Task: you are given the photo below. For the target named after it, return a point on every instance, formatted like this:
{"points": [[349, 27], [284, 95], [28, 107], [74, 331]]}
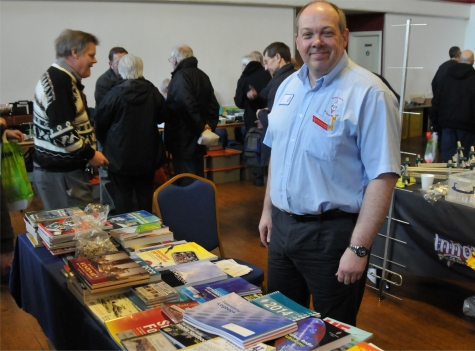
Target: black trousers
{"points": [[303, 259], [125, 186]]}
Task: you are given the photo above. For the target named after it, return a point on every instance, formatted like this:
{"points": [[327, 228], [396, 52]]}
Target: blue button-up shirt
{"points": [[329, 141]]}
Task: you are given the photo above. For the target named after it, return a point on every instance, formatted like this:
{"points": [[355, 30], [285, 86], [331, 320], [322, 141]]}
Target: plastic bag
{"points": [[92, 240], [469, 306], [436, 192], [15, 181], [431, 147]]}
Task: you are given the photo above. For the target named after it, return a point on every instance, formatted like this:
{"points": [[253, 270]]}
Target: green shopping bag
{"points": [[15, 181]]}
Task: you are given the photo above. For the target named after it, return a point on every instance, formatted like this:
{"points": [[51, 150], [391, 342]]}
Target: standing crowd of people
{"points": [[331, 133]]}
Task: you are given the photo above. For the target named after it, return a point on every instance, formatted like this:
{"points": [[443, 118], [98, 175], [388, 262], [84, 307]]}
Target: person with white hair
{"points": [[126, 124], [193, 108], [164, 87]]}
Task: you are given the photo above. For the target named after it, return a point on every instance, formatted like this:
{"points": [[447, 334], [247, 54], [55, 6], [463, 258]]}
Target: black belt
{"points": [[331, 214]]}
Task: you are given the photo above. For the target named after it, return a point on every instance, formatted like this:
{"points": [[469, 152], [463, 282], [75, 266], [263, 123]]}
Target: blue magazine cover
{"points": [[278, 303]]}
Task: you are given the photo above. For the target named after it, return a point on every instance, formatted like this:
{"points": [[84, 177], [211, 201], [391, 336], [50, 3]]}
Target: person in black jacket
{"points": [[193, 108], [253, 75], [454, 54], [277, 62], [126, 125], [453, 107]]}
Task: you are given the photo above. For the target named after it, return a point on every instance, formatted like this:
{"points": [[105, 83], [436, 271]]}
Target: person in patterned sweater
{"points": [[64, 138]]}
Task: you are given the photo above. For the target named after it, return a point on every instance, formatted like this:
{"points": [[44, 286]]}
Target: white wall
{"points": [[470, 31], [218, 34], [429, 48]]}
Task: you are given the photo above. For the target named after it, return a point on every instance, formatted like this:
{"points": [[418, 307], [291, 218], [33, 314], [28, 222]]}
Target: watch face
{"points": [[361, 251]]}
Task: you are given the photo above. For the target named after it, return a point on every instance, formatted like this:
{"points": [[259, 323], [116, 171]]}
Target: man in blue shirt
{"points": [[334, 131]]}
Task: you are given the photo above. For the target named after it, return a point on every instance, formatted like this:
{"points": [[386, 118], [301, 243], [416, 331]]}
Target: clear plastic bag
{"points": [[431, 147], [436, 192], [91, 239]]}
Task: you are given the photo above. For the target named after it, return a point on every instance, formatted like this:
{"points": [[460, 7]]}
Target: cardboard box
{"points": [[462, 188], [223, 159], [224, 176]]}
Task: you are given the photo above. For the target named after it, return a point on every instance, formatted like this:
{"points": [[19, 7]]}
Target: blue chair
{"points": [[191, 213]]}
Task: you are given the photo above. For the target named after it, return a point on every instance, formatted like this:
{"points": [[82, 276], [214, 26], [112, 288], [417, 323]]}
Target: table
{"points": [[39, 288], [449, 220]]}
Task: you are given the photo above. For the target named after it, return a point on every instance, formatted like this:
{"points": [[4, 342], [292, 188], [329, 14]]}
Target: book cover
{"points": [[136, 324], [209, 291], [238, 321], [167, 257], [199, 272], [109, 269], [111, 307], [155, 275], [278, 303], [364, 346], [220, 344], [183, 334], [134, 231], [83, 294], [61, 230], [156, 292], [150, 342], [51, 215], [132, 219], [133, 250], [313, 333], [357, 334], [33, 240], [148, 237], [174, 310]]}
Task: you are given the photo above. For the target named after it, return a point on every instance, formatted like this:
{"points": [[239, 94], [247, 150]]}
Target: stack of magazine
{"points": [[154, 294]]}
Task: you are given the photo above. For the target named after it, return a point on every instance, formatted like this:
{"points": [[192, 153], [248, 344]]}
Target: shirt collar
{"points": [[326, 79], [63, 64]]}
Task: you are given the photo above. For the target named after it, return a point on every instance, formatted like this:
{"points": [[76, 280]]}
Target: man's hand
{"points": [[259, 124], [207, 127], [98, 160], [252, 93], [265, 227], [15, 134], [351, 267]]}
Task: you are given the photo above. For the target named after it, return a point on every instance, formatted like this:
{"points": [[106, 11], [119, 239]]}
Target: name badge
{"points": [[286, 99], [320, 122]]}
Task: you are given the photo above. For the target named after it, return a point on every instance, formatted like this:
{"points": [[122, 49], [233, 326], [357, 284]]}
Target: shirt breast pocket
{"points": [[325, 139]]}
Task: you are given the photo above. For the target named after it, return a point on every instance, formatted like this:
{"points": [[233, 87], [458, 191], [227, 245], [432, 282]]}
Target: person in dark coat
{"points": [[454, 54], [103, 84], [193, 109], [453, 107], [126, 125], [277, 62], [253, 75]]}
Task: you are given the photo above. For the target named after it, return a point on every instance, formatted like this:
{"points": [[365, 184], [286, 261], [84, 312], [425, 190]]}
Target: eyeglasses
{"points": [[115, 63], [170, 59]]}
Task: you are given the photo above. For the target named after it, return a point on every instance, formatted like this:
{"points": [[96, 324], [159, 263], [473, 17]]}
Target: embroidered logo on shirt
{"points": [[332, 113], [286, 99], [320, 122]]}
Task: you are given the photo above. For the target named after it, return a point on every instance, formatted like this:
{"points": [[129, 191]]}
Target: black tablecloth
{"points": [[39, 288], [446, 219]]}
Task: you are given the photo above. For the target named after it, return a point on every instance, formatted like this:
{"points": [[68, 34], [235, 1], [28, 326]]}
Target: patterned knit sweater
{"points": [[64, 138]]}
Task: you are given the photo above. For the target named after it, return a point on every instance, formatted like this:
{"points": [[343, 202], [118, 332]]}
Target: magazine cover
{"points": [[357, 334], [111, 307], [280, 304], [170, 256], [109, 269], [150, 342], [132, 219]]}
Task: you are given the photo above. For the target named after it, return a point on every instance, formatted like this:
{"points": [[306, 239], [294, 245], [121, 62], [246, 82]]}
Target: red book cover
{"points": [[140, 323], [108, 269]]}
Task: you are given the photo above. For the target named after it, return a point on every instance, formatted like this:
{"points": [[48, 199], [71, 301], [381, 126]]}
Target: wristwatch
{"points": [[359, 250]]}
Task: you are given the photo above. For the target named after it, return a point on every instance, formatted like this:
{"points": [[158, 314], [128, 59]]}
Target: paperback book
{"points": [[84, 295], [132, 219], [133, 250], [111, 307], [199, 272], [155, 293], [220, 344], [175, 310], [108, 270], [168, 257], [209, 291], [357, 334], [183, 334], [34, 217], [278, 303], [238, 321], [364, 346], [149, 342], [313, 333], [136, 324]]}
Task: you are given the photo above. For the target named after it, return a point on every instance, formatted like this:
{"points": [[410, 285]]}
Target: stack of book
{"points": [[33, 218], [132, 219], [143, 234], [151, 295], [209, 291], [108, 272]]}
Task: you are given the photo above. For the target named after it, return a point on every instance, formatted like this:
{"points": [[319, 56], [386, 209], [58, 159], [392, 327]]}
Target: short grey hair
{"points": [[181, 52], [164, 85], [258, 56], [70, 40], [248, 58], [130, 67]]}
